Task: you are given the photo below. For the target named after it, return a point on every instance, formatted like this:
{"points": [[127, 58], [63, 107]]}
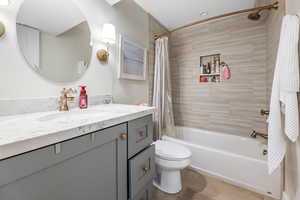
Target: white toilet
{"points": [[170, 158]]}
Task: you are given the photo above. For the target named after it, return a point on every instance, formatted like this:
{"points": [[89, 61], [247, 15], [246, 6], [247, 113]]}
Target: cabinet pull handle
{"points": [[57, 148], [123, 136], [93, 136], [141, 133]]}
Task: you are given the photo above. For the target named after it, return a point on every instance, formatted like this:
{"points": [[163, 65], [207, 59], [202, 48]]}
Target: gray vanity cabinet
{"points": [[116, 163], [146, 193], [92, 167], [141, 154]]}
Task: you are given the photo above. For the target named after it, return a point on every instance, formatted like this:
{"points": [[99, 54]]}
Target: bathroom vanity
{"points": [[104, 152]]}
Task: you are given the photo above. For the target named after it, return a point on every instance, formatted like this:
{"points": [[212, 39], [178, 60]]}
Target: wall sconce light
{"points": [[4, 2], [2, 29], [108, 37]]}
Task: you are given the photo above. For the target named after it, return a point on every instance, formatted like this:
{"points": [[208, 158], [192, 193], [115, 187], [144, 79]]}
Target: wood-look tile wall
{"points": [[231, 106]]}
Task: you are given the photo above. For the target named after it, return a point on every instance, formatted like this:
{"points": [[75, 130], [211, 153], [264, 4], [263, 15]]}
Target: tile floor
{"points": [[199, 187]]}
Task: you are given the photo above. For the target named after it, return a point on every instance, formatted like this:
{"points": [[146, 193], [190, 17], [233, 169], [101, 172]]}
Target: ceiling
{"points": [[113, 2], [175, 13], [52, 16]]}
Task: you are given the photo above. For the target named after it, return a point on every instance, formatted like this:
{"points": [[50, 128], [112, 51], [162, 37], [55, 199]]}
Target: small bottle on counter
{"points": [[217, 65], [208, 70], [213, 69], [201, 69], [213, 79], [212, 60], [83, 98], [213, 65], [204, 69], [203, 79]]}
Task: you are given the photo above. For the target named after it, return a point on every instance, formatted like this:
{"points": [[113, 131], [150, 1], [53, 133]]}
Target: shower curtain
{"points": [[162, 97]]}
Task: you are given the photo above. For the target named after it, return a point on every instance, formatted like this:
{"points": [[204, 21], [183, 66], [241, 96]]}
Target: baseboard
{"points": [[285, 196]]}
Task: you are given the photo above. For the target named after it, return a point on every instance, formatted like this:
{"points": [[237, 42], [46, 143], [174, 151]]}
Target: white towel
{"points": [[285, 88]]}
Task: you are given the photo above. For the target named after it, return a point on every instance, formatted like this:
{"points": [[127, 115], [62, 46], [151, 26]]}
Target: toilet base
{"points": [[169, 181]]}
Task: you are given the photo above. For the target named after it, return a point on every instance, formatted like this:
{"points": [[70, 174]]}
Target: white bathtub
{"points": [[234, 159]]}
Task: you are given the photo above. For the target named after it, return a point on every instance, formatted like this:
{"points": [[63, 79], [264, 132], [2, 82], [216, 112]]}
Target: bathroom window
{"points": [[29, 42]]}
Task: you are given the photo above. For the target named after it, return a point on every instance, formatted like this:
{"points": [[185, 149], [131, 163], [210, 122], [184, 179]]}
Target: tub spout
{"points": [[254, 134]]}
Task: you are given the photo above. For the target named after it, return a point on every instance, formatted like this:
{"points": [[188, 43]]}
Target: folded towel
{"points": [[284, 90]]}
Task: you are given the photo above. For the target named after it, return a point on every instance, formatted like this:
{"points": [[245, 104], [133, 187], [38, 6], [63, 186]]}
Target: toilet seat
{"points": [[171, 151]]}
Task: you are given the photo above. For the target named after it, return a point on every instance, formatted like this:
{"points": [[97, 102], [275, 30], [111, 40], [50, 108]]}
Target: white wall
{"points": [[19, 81], [128, 91], [293, 6]]}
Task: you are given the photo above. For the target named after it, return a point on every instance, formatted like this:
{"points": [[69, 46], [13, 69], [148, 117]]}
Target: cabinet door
{"points": [[90, 167]]}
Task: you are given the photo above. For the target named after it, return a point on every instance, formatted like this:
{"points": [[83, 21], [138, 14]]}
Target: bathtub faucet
{"points": [[254, 134]]}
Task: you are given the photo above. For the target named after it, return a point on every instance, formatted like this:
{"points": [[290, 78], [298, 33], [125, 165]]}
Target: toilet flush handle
{"points": [[146, 169]]}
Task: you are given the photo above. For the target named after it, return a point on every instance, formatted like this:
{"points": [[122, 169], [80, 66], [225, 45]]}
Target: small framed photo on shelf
{"points": [[132, 60]]}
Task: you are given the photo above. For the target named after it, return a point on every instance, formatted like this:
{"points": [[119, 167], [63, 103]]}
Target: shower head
{"points": [[254, 16]]}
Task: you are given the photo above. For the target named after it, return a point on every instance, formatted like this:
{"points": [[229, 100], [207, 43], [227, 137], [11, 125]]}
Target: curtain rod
{"points": [[258, 9]]}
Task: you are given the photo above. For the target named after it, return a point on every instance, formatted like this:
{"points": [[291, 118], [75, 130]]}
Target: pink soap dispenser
{"points": [[83, 98]]}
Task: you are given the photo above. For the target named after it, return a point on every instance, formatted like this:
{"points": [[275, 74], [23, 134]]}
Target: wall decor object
{"points": [[109, 38], [2, 29], [211, 68], [226, 71], [133, 60]]}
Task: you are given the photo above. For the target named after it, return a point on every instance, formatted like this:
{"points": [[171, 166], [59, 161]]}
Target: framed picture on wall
{"points": [[133, 60]]}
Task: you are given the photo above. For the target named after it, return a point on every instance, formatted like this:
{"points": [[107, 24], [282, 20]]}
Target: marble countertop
{"points": [[23, 133]]}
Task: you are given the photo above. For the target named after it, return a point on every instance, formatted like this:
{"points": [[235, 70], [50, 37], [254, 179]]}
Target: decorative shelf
{"points": [[210, 69], [218, 74]]}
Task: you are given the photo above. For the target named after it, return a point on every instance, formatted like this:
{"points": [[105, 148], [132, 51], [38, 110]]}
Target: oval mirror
{"points": [[54, 38]]}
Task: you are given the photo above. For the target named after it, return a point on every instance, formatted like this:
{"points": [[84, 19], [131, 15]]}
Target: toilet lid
{"points": [[171, 151]]}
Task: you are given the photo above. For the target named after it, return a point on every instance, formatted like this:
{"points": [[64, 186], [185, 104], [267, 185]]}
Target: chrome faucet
{"points": [[64, 98], [264, 112], [254, 134]]}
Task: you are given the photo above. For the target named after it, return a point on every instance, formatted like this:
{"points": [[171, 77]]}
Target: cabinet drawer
{"points": [[141, 171], [145, 194], [140, 134]]}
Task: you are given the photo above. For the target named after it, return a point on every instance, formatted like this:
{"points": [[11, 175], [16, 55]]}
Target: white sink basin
{"points": [[71, 115]]}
